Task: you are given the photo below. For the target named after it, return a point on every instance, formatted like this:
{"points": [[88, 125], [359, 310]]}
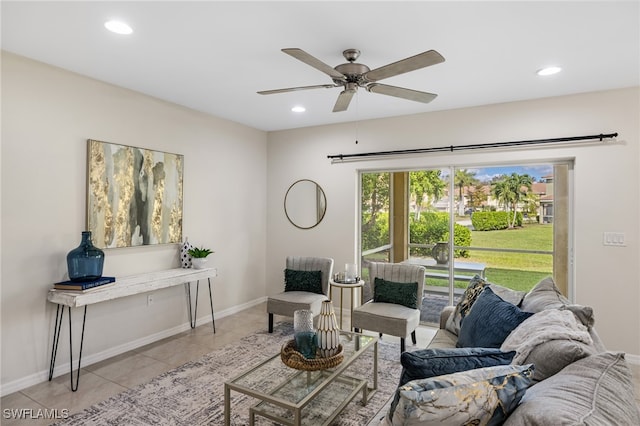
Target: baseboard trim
{"points": [[632, 359], [42, 376]]}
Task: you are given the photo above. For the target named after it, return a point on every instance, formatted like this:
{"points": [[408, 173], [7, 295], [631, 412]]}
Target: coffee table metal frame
{"points": [[327, 376]]}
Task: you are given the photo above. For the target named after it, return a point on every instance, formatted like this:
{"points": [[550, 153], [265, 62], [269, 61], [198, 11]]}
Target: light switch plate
{"points": [[613, 239]]}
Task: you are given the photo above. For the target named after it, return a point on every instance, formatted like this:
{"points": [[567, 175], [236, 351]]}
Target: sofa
{"points": [[506, 357]]}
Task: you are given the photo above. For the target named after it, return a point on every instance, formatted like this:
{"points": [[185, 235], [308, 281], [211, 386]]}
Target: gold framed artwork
{"points": [[134, 195]]}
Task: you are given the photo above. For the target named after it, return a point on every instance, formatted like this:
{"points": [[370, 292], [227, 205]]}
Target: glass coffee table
{"points": [[296, 397]]}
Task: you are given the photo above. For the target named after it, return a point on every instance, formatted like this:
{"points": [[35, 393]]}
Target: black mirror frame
{"points": [[324, 199]]}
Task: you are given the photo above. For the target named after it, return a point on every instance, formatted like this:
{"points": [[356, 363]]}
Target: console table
{"points": [[123, 287]]}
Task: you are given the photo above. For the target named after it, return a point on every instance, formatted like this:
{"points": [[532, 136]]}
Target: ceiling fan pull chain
{"points": [[357, 115]]}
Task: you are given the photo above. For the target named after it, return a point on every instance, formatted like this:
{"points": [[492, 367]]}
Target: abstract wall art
{"points": [[134, 195]]}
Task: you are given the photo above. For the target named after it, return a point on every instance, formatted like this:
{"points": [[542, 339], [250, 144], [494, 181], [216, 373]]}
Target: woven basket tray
{"points": [[294, 359]]}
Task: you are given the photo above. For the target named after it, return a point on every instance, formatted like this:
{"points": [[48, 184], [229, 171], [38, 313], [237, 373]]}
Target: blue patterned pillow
{"points": [[471, 293], [310, 281], [483, 396], [405, 294], [426, 363], [489, 322]]}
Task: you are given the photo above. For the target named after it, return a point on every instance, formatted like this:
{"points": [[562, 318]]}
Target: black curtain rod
{"points": [[452, 148]]}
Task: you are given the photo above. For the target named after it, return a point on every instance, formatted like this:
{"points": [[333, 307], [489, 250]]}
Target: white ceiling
{"points": [[214, 56]]}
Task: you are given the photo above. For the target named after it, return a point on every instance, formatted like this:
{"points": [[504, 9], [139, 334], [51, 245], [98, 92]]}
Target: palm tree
{"points": [[510, 191], [502, 192], [462, 178]]}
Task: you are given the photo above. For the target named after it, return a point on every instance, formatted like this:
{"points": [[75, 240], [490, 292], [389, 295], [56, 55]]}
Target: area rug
{"points": [[432, 305], [193, 394]]}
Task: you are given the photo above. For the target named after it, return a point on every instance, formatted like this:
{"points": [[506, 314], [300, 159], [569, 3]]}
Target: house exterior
{"points": [[544, 190]]}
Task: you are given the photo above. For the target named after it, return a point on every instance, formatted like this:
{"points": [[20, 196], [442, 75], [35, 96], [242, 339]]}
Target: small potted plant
{"points": [[199, 256]]}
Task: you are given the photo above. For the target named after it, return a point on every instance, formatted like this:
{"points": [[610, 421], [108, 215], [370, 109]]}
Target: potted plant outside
{"points": [[199, 257]]}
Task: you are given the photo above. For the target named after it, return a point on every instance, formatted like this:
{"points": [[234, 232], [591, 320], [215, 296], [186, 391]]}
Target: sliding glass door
{"points": [[429, 230], [375, 226], [509, 224]]}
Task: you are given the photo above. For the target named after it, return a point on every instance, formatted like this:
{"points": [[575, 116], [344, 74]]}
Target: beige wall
{"points": [[605, 193], [47, 116]]}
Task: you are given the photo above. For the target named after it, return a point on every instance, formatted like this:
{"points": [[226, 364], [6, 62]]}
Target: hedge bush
{"points": [[461, 237], [375, 234], [490, 221], [434, 227]]}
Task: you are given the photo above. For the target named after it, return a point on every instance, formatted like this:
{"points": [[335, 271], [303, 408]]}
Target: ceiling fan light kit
{"points": [[351, 75]]}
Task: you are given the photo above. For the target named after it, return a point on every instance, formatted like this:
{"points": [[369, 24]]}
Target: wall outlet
{"points": [[613, 239], [149, 299]]}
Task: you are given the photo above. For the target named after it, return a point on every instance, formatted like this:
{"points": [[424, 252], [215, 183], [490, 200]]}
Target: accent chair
{"points": [[298, 296], [397, 297]]}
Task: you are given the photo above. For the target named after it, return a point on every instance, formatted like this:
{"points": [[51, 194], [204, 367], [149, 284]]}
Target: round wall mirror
{"points": [[305, 204]]}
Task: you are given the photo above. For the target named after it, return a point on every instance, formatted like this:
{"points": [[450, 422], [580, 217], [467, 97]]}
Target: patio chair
{"points": [[395, 307], [298, 295]]}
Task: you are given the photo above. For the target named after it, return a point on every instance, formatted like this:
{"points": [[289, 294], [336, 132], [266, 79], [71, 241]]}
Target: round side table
{"points": [[353, 286]]}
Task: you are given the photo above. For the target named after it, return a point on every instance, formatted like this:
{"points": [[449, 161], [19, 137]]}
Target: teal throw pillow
{"points": [[405, 294], [484, 396], [489, 322], [310, 281]]}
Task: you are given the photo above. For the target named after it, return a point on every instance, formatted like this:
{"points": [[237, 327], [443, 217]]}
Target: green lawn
{"points": [[519, 271]]}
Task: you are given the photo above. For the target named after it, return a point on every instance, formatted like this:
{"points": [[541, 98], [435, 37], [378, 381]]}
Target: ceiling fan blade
{"points": [[421, 60], [293, 89], [344, 99], [400, 92], [303, 56]]}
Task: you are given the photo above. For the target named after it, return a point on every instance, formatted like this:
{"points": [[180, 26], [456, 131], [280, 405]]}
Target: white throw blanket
{"points": [[550, 324]]}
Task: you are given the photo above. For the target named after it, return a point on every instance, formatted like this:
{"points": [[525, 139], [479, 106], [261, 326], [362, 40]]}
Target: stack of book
{"points": [[84, 285]]}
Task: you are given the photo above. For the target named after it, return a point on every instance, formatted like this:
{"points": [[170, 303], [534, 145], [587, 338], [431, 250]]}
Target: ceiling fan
{"points": [[352, 75]]}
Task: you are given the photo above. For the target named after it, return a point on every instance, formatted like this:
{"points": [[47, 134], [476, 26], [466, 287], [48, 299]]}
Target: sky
{"points": [[535, 171]]}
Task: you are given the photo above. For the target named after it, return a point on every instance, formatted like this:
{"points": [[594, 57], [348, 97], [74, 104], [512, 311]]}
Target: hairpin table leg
{"points": [[213, 318], [193, 317], [56, 337], [84, 320]]}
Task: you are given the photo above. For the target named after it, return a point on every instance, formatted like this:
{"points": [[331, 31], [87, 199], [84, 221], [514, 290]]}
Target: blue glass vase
{"points": [[84, 263], [304, 334]]}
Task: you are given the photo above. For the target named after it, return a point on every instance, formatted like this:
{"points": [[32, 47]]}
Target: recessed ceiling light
{"points": [[549, 71], [118, 27], [298, 108]]}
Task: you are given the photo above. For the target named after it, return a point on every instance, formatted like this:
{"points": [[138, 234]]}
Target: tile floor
{"points": [[107, 378]]}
